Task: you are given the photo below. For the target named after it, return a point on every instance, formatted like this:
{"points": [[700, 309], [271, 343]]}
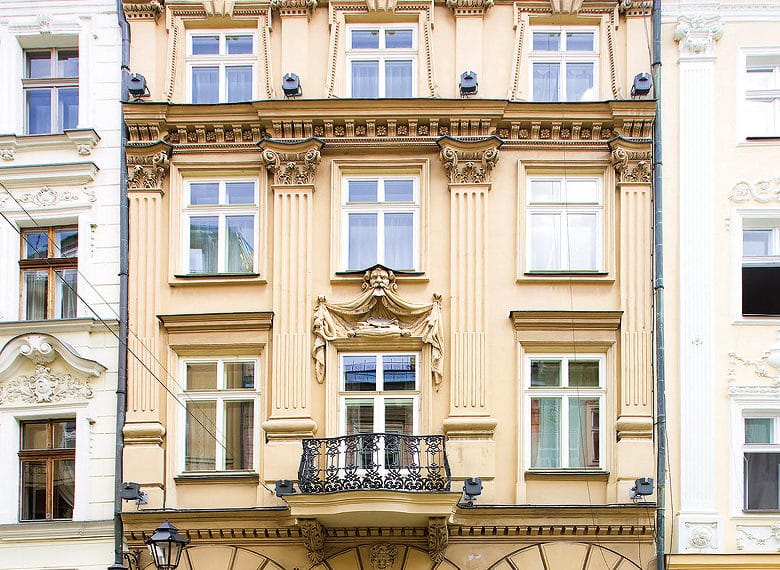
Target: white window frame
{"points": [[222, 60], [770, 95], [53, 84], [773, 447], [563, 57], [221, 210], [564, 208], [757, 219], [220, 396], [380, 208], [382, 54], [564, 393]]}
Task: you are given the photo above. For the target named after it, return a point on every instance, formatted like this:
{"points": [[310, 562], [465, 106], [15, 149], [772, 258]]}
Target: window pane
{"points": [[579, 41], [579, 82], [365, 79], [39, 65], [36, 244], [66, 243], [758, 430], [204, 193], [68, 108], [64, 434], [399, 371], [583, 432], [239, 44], [756, 243], [200, 447], [399, 241], [64, 487], [759, 78], [547, 41], [398, 78], [545, 373], [582, 191], [583, 241], [201, 376], [65, 294], [762, 473], [584, 374], [546, 81], [39, 111], [362, 190], [359, 416], [759, 117], [239, 83], [33, 490], [203, 244], [399, 190], [545, 191], [365, 39], [239, 427], [545, 432], [399, 416], [35, 294], [239, 375], [240, 192], [545, 241], [395, 39], [68, 64], [205, 84], [359, 373], [362, 240], [759, 290], [35, 436], [205, 45], [240, 243]]}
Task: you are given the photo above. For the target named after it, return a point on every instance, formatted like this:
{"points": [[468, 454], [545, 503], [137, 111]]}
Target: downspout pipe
{"points": [[660, 348], [124, 211]]}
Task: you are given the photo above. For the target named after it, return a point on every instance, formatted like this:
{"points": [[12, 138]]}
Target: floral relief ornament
{"points": [[43, 387], [383, 556], [46, 197], [763, 191]]}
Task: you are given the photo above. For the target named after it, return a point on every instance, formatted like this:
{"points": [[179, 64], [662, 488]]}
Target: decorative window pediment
{"points": [[378, 312]]}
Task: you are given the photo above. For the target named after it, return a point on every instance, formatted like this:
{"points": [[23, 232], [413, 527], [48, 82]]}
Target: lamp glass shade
{"points": [[166, 546]]}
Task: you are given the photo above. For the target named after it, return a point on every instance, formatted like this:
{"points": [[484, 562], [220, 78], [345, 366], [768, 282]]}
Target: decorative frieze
{"points": [[44, 387], [313, 538], [294, 7], [469, 7], [697, 34], [147, 166], [763, 191], [469, 162], [292, 164], [438, 538], [759, 537]]}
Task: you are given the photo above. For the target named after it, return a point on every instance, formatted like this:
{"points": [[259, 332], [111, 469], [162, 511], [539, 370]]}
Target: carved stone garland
{"points": [[378, 312], [313, 538]]}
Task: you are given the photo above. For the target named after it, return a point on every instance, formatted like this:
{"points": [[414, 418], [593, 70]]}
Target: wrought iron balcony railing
{"points": [[374, 461]]}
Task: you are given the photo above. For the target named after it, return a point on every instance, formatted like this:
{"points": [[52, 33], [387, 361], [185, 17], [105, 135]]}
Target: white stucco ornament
{"points": [[697, 34], [43, 387], [774, 358]]}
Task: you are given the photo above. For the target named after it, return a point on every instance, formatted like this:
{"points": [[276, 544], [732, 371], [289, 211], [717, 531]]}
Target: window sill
{"points": [[566, 475], [233, 477], [184, 279], [768, 320], [573, 276], [403, 275]]}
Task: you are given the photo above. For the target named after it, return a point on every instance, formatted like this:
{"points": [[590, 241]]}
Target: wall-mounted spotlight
{"points": [[136, 86], [291, 85], [643, 83], [284, 487], [642, 488], [472, 488], [468, 83], [132, 492]]}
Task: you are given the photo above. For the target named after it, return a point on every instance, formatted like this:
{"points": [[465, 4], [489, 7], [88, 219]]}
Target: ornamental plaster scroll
{"points": [[313, 536], [382, 556], [292, 164], [468, 162], [701, 536], [759, 538], [438, 537], [469, 7], [44, 387], [378, 312], [632, 160], [697, 34], [147, 166], [758, 366], [762, 191], [47, 197], [294, 7]]}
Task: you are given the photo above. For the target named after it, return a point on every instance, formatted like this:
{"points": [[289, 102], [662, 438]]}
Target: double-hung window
{"points": [[564, 410], [51, 90], [564, 224], [564, 63], [381, 216], [761, 457], [381, 61], [762, 96], [221, 407], [47, 454], [221, 66], [48, 266], [760, 267], [220, 229]]}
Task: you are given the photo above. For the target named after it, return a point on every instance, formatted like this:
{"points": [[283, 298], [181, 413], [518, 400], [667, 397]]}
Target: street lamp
{"points": [[166, 546]]}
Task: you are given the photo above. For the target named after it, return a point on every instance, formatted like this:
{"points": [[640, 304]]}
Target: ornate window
{"points": [[382, 61], [221, 66], [564, 63], [47, 456], [48, 266], [761, 460], [762, 95], [760, 266], [51, 90]]}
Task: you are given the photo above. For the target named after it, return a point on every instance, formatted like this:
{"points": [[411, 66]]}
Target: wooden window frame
{"points": [[52, 262]]}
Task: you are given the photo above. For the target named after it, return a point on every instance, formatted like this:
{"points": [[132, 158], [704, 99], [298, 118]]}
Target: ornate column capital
{"points": [[469, 7], [292, 163], [294, 7], [632, 160], [469, 162], [697, 34], [147, 165]]}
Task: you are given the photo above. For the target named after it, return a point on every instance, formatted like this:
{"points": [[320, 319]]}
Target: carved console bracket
{"points": [[378, 312], [438, 537], [697, 34], [147, 165], [469, 7], [632, 160], [313, 536], [292, 163], [294, 7], [469, 162]]}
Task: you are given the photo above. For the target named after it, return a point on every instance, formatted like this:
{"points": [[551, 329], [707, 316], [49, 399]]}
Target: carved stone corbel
{"points": [[292, 164], [697, 34], [468, 162], [469, 7], [566, 6], [148, 165], [632, 160], [294, 7], [313, 539], [438, 538]]}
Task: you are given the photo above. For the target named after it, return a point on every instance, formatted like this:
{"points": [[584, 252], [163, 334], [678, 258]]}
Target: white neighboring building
{"points": [[59, 262]]}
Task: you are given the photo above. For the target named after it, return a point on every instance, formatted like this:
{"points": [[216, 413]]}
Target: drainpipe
{"points": [[658, 243], [121, 382]]}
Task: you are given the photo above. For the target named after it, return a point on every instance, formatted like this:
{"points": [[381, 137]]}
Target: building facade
{"points": [[721, 194], [59, 285], [355, 272]]}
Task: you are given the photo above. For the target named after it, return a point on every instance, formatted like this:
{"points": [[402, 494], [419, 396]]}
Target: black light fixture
{"points": [[291, 85], [472, 488], [136, 85], [166, 546], [468, 83], [642, 488], [642, 84]]}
